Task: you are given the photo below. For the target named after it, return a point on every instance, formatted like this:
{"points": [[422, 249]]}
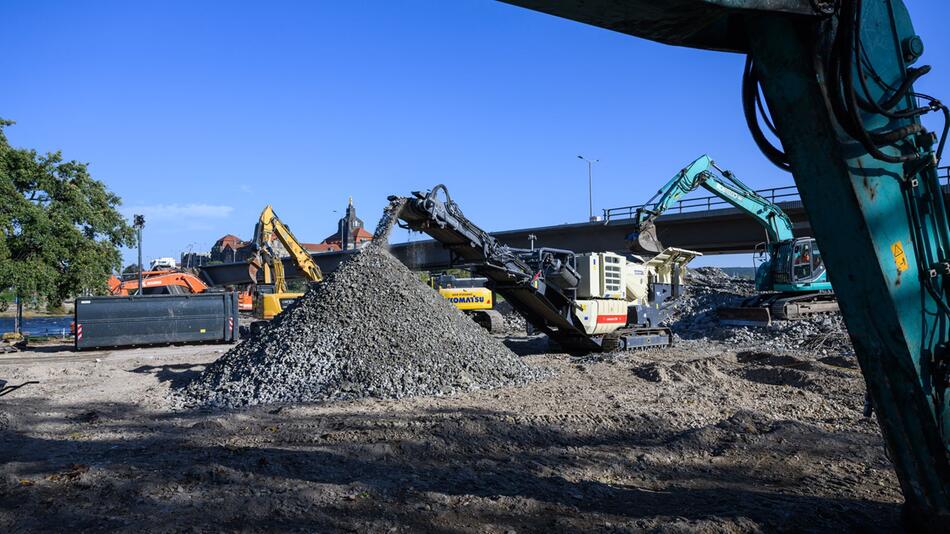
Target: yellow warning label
{"points": [[897, 249]]}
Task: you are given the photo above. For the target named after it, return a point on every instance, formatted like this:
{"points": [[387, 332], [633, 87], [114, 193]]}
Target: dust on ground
{"points": [[705, 437]]}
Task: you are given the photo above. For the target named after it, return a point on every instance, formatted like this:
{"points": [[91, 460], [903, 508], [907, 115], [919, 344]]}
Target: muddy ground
{"points": [[704, 437]]}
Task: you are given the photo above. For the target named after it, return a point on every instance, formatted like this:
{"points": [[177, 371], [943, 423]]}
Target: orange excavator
{"points": [[172, 283], [158, 283]]}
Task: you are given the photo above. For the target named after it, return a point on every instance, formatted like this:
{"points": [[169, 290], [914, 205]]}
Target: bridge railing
{"points": [[708, 203], [775, 195]]}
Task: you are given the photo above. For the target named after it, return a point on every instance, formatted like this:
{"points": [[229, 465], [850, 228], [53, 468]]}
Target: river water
{"points": [[39, 326]]}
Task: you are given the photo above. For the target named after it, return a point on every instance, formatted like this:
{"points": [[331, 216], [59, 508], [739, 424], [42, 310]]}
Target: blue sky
{"points": [[200, 113]]}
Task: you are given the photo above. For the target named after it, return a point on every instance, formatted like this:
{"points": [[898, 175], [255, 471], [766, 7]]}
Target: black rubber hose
{"points": [[912, 76], [749, 90], [893, 136], [834, 76]]}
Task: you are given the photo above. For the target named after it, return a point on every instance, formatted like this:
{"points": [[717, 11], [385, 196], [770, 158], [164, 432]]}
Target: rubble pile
{"points": [[371, 329], [693, 316], [515, 323]]}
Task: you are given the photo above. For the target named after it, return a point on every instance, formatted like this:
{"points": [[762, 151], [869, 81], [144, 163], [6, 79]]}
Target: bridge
{"points": [[705, 224]]}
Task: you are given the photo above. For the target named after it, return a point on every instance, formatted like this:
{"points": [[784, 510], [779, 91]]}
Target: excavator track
{"points": [[795, 307], [491, 320], [764, 309]]}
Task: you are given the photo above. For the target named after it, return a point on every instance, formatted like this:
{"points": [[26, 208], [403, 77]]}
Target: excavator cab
{"points": [[795, 266]]}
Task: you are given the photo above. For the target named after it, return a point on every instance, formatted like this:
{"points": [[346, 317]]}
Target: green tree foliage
{"points": [[61, 230]]}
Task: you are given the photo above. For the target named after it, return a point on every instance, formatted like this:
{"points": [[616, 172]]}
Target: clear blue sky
{"points": [[200, 113]]}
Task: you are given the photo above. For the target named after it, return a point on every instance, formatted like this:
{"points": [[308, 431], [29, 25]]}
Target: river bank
{"points": [[39, 325]]}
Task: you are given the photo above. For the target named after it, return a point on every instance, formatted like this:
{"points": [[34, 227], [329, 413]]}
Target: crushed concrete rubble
{"points": [[515, 323], [693, 317], [371, 329]]}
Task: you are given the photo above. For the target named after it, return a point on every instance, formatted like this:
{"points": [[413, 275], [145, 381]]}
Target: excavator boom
{"points": [[273, 296], [269, 227], [159, 282], [777, 225]]}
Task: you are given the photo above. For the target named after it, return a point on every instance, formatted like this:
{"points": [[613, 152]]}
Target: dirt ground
{"points": [[699, 438]]}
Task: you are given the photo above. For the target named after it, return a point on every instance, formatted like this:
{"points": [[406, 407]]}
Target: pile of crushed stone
{"points": [[514, 322], [693, 316], [371, 329]]}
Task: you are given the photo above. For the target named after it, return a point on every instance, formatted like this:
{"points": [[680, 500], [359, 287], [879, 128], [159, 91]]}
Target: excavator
{"points": [[593, 302], [272, 296], [790, 275], [158, 283], [472, 297], [833, 82]]}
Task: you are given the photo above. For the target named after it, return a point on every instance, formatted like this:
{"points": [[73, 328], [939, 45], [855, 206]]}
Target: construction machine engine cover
{"points": [[602, 275], [601, 316]]}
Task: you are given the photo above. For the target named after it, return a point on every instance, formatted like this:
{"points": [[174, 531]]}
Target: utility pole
{"points": [[18, 315], [590, 186], [138, 222]]}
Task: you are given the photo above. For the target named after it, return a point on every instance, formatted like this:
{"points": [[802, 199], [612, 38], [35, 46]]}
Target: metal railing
{"points": [[775, 195]]}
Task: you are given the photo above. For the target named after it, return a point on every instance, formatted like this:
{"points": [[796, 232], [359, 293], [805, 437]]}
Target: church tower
{"points": [[349, 228]]}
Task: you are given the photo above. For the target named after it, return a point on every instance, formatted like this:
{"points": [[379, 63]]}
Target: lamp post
{"points": [[189, 256], [590, 186], [138, 222]]}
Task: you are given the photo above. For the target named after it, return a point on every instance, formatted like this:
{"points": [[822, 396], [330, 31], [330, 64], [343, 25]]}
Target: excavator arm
{"points": [[778, 227], [158, 279], [837, 78], [270, 227]]}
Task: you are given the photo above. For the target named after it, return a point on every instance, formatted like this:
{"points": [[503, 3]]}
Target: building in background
{"points": [[230, 249], [317, 248], [193, 260], [350, 233]]}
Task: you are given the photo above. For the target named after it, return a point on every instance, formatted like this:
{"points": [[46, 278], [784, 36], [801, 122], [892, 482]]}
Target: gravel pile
{"points": [[694, 317], [515, 323], [371, 329]]}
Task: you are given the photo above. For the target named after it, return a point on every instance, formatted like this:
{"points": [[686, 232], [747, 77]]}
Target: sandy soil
{"points": [[699, 438]]}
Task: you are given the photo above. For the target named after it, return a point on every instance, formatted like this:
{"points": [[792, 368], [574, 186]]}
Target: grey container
{"points": [[155, 320]]}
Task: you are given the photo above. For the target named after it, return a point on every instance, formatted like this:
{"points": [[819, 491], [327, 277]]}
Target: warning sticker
{"points": [[897, 249]]}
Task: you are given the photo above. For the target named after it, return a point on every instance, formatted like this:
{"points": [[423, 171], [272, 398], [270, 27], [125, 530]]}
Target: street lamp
{"points": [[590, 186], [138, 222]]}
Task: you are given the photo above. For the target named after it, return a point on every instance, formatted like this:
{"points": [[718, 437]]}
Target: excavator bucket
{"points": [[645, 241], [745, 316]]}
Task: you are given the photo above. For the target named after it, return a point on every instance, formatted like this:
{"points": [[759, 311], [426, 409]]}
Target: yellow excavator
{"points": [[272, 296], [472, 297]]}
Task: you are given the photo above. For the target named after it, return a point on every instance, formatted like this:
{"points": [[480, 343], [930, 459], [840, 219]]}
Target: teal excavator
{"points": [[833, 83], [790, 275]]}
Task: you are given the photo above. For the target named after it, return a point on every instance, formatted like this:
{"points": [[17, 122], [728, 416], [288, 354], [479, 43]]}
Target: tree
{"points": [[60, 227]]}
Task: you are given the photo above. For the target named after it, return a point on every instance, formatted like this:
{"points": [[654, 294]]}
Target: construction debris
{"points": [[694, 317], [515, 323], [371, 329]]}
